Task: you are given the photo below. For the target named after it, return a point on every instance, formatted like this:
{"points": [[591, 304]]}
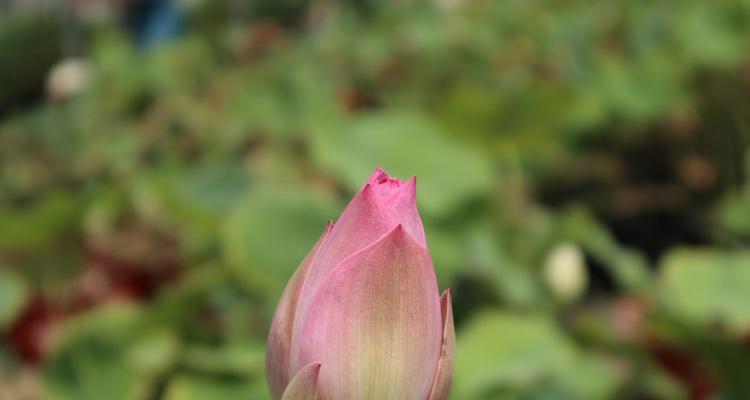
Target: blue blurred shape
{"points": [[153, 21]]}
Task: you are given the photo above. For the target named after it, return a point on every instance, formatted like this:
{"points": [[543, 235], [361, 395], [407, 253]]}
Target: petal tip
{"points": [[410, 187], [304, 385], [380, 177], [315, 369], [399, 233], [446, 310]]}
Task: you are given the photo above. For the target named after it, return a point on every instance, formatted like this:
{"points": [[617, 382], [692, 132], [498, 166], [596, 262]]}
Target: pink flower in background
{"points": [[362, 318]]}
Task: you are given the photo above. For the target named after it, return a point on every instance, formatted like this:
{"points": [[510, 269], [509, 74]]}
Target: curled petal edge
{"points": [[441, 387], [278, 352]]}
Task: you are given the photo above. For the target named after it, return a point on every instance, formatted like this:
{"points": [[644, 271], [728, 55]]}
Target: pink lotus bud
{"points": [[361, 317]]}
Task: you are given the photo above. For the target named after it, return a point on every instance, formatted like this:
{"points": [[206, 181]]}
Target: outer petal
{"points": [[362, 222], [375, 324], [441, 388], [382, 204], [280, 336], [304, 385]]}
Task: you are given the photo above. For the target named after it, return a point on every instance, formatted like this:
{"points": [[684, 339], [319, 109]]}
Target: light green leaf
{"points": [[499, 351], [268, 233], [34, 227], [91, 362], [406, 144], [706, 286], [201, 387], [13, 294], [514, 353]]}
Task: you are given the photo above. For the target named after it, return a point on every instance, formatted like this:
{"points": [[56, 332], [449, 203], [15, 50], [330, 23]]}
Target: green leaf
{"points": [[236, 360], [514, 353], [200, 387], [13, 294], [589, 376], [498, 350], [627, 266], [153, 351], [270, 230], [733, 213], [706, 286], [54, 215], [91, 361], [406, 144], [710, 35]]}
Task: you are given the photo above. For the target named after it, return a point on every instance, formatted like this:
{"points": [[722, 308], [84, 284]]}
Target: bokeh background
{"points": [[583, 168]]}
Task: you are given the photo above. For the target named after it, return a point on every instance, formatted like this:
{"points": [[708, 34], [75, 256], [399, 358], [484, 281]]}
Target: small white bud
{"points": [[565, 272], [68, 78]]}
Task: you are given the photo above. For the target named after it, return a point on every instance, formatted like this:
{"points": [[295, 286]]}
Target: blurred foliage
{"points": [[27, 54], [150, 222]]}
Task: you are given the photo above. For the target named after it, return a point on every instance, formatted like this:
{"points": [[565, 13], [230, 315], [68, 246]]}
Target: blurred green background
{"points": [[583, 167]]}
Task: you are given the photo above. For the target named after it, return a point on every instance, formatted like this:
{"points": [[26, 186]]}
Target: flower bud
{"points": [[565, 272], [362, 318]]}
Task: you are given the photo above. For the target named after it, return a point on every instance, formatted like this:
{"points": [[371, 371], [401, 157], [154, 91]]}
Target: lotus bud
{"points": [[362, 318], [565, 272]]}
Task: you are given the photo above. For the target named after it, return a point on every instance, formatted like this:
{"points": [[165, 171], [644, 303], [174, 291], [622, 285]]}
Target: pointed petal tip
{"points": [[304, 385], [379, 173], [314, 368], [368, 197], [399, 233], [410, 187], [377, 176], [446, 311], [368, 192]]}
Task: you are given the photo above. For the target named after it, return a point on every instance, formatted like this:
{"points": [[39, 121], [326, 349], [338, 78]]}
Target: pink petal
{"points": [[362, 222], [375, 323], [304, 385], [399, 199], [382, 204], [441, 387], [280, 336]]}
